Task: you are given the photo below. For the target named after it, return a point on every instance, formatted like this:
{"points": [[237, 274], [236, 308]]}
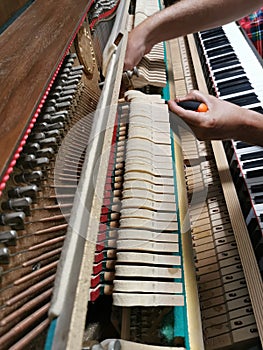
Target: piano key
{"points": [[147, 186], [148, 204], [241, 144], [243, 99], [233, 86], [249, 60], [149, 224], [256, 188], [151, 272], [148, 258], [148, 214], [136, 175], [252, 164], [252, 152], [215, 42], [219, 51], [225, 61], [148, 287], [129, 299]]}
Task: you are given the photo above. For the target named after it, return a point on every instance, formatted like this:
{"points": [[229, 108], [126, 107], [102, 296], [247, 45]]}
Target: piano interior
{"points": [[119, 229]]}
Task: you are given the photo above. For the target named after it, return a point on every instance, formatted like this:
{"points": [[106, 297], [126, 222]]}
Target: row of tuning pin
{"points": [[37, 155]]}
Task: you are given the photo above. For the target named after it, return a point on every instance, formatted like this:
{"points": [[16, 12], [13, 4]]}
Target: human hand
{"points": [[223, 120], [136, 48]]}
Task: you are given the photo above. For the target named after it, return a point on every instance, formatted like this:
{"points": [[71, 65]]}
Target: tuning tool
{"points": [[193, 105], [127, 77]]}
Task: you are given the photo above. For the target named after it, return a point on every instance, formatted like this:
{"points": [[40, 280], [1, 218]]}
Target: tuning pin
{"points": [[8, 237], [14, 220], [18, 204]]}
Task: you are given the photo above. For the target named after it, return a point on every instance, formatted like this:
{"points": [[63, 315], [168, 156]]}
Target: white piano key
{"points": [[148, 271], [148, 204], [249, 61], [148, 287], [129, 299], [157, 180], [147, 235]]}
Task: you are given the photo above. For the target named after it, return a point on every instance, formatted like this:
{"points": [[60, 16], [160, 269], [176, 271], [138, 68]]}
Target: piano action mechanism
{"points": [[120, 230]]}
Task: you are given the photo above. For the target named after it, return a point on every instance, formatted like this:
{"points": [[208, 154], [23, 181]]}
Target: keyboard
{"points": [[233, 72]]}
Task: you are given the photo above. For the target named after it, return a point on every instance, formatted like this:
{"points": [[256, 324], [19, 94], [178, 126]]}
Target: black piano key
{"points": [[244, 100], [234, 86], [258, 109], [230, 72], [258, 199], [212, 43], [224, 61], [254, 173], [211, 32], [219, 51], [242, 144], [256, 188], [253, 164], [251, 155]]}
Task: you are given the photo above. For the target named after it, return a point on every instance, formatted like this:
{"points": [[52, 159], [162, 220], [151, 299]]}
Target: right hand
{"points": [[222, 121]]}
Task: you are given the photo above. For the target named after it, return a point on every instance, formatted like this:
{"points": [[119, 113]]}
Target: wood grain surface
{"points": [[9, 8], [30, 51]]}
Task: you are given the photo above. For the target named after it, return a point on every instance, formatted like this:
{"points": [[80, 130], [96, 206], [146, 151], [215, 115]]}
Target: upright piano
{"points": [[119, 229]]}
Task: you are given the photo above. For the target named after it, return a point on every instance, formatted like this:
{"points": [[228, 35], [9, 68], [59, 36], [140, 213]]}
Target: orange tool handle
{"points": [[193, 106]]}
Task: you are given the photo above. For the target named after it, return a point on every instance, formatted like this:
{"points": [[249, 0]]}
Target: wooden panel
{"points": [[8, 8], [30, 50]]}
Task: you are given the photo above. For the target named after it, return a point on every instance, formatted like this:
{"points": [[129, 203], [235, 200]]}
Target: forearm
{"points": [[189, 16], [252, 129]]}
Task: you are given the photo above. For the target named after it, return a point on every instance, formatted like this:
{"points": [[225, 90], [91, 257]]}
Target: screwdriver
{"points": [[196, 106]]}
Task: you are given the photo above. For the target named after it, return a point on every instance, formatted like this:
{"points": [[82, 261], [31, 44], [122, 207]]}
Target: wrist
{"points": [[251, 127]]}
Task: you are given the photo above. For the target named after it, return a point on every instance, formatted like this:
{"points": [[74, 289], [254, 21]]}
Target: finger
{"points": [[189, 96], [127, 66], [193, 105], [190, 117], [195, 95]]}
